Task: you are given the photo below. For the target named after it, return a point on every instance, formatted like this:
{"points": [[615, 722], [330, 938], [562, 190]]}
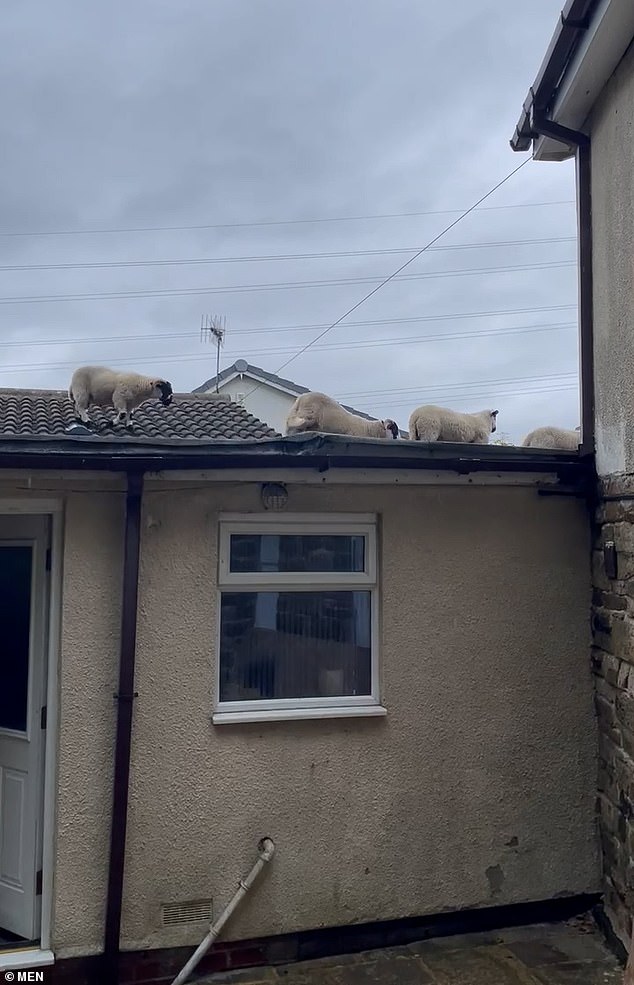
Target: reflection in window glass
{"points": [[295, 644], [297, 552]]}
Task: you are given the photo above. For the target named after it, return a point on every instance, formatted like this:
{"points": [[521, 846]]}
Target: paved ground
{"points": [[571, 953]]}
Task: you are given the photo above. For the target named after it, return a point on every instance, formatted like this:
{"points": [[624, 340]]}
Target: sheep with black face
{"points": [[124, 391]]}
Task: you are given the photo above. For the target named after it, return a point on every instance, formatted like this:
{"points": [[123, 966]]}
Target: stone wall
{"points": [[613, 666]]}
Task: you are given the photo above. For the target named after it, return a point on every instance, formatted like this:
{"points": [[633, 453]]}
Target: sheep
{"points": [[125, 391], [429, 423], [318, 412], [552, 437]]}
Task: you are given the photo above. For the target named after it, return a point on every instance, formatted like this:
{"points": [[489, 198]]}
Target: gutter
{"points": [[574, 21], [313, 450], [124, 698]]}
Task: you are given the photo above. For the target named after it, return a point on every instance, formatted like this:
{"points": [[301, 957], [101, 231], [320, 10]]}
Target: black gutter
{"points": [[586, 297], [574, 21], [124, 698], [306, 451]]}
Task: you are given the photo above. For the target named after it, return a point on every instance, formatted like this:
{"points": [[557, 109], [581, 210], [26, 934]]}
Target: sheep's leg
{"points": [[123, 415]]}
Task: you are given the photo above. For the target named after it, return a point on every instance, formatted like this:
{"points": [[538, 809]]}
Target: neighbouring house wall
{"points": [[612, 134], [267, 403], [478, 787]]}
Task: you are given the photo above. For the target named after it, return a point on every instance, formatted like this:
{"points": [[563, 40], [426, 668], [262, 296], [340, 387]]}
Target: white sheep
{"points": [[552, 437], [318, 412], [125, 391], [429, 423]]}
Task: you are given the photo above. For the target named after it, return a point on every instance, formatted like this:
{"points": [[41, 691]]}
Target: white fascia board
{"points": [[602, 48]]}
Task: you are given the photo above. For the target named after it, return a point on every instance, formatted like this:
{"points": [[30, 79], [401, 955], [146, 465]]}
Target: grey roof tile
{"points": [[209, 416]]}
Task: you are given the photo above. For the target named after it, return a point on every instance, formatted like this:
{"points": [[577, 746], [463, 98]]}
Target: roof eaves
{"points": [[299, 451], [573, 23]]}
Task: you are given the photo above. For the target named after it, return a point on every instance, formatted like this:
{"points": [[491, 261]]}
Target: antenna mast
{"points": [[214, 327]]}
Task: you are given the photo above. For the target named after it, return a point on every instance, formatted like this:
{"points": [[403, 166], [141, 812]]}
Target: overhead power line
{"points": [[273, 222], [449, 399], [504, 381], [328, 346], [469, 398], [154, 336], [341, 254], [283, 285], [350, 344], [396, 273]]}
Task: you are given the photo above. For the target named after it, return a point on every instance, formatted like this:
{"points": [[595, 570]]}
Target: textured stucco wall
{"points": [[613, 269], [477, 788], [89, 655]]}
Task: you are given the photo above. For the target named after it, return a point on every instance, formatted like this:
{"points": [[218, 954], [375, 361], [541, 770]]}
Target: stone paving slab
{"points": [[570, 953]]}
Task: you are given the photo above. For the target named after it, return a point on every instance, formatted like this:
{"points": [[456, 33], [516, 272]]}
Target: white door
{"points": [[23, 646]]}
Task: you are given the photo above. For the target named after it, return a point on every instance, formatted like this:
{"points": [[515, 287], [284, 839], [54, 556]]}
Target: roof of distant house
{"points": [[50, 413], [242, 367]]}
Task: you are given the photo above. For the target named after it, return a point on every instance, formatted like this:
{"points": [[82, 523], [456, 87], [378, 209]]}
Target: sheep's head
{"points": [[391, 428], [494, 414], [165, 392]]}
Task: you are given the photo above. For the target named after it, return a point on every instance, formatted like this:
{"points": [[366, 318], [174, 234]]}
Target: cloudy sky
{"points": [[148, 148]]}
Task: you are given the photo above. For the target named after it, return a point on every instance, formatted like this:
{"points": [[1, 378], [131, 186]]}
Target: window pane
{"points": [[15, 616], [297, 552], [294, 645]]}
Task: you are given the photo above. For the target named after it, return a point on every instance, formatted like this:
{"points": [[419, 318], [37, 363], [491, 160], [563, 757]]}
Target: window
{"points": [[298, 617]]}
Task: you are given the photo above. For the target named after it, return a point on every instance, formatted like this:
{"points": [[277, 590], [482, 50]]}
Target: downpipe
{"points": [[266, 850]]}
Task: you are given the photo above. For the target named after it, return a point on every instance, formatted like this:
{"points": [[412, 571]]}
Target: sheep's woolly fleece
{"points": [[318, 412], [553, 438], [430, 423]]}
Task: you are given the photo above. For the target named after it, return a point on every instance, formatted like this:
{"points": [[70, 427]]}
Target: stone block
{"points": [[621, 640], [607, 717], [599, 578], [624, 705], [606, 665]]}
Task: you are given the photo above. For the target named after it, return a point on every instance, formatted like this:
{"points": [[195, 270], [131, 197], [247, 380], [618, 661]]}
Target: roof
{"points": [[38, 431], [308, 451], [589, 41], [50, 413], [242, 368]]}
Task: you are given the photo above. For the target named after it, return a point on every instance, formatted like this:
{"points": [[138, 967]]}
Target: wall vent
{"points": [[188, 911]]}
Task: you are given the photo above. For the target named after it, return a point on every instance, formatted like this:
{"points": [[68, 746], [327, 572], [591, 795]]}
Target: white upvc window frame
{"points": [[284, 709]]}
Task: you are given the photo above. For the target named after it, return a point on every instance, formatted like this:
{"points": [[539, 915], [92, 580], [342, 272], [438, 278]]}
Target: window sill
{"points": [[297, 714]]}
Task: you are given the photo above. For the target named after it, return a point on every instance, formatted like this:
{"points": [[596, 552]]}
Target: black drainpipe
{"points": [[574, 138], [124, 698]]}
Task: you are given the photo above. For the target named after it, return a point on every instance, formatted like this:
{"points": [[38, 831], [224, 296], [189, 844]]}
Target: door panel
{"points": [[23, 640]]}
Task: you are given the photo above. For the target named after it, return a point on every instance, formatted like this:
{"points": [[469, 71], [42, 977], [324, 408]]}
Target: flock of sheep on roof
{"points": [[318, 412], [125, 391]]}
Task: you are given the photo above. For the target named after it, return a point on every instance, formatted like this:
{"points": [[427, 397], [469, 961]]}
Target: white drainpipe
{"points": [[266, 849]]}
